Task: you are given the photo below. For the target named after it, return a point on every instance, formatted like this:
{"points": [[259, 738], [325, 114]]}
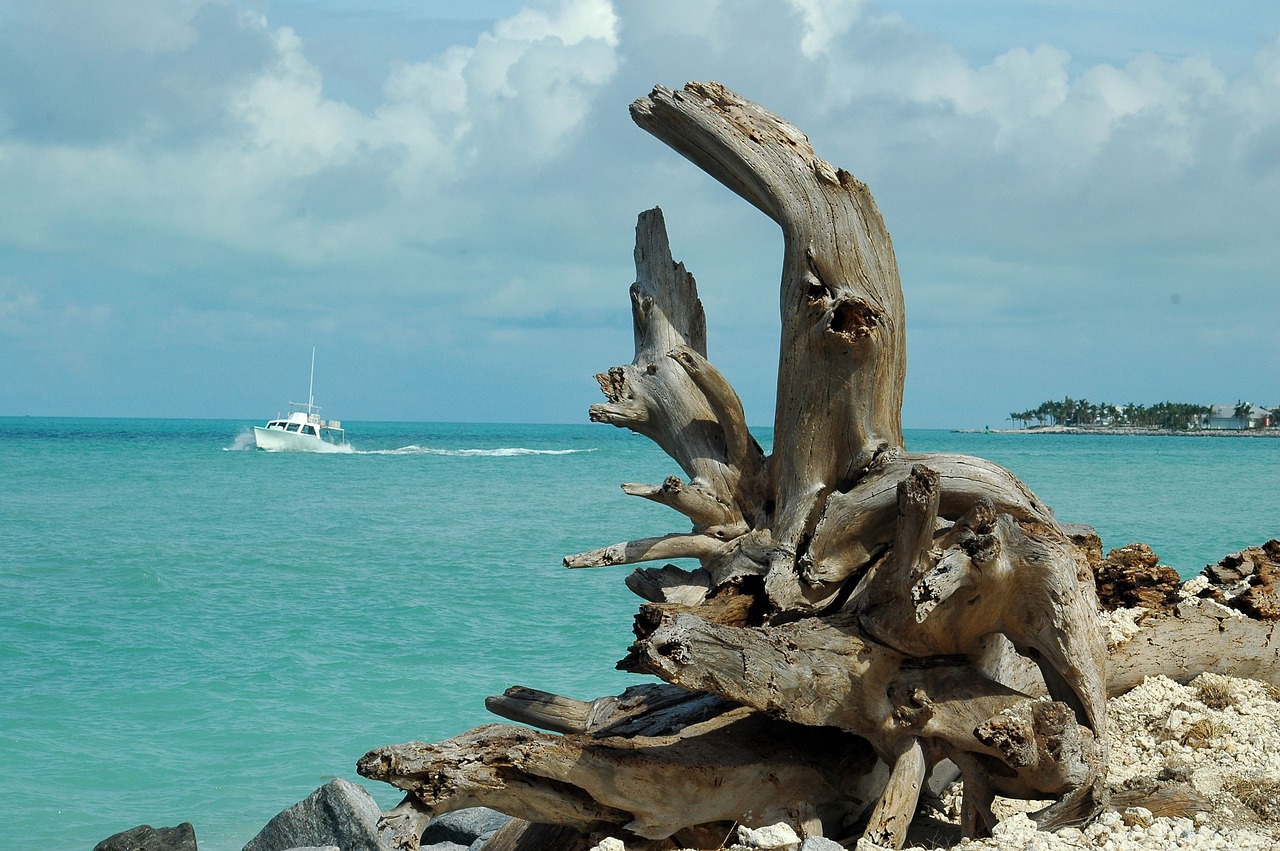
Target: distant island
{"points": [[1080, 415]]}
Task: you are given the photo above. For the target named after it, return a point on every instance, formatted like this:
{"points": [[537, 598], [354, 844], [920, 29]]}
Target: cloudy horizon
{"points": [[441, 198]]}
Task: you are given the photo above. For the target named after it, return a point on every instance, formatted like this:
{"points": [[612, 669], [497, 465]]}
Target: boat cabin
{"points": [[304, 423], [300, 423]]}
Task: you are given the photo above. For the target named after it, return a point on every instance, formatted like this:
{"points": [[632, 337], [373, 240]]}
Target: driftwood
{"points": [[1225, 621], [892, 571], [656, 761], [857, 614]]}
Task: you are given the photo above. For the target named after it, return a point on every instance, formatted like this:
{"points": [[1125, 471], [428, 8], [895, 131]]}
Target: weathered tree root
{"points": [[866, 607], [728, 765], [820, 671]]}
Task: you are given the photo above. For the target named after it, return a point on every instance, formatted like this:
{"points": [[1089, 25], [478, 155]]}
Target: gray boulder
{"points": [[144, 837], [820, 843], [481, 841], [338, 813], [463, 827]]}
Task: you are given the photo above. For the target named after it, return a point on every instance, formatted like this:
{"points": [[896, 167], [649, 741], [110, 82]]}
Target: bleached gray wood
{"points": [[892, 815], [654, 395], [671, 584], [925, 556], [701, 547], [545, 710], [843, 583], [1195, 637], [400, 828], [699, 506], [843, 354], [821, 672], [857, 526], [739, 766]]}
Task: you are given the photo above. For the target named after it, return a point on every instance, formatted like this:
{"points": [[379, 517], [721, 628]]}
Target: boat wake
{"points": [[470, 453], [323, 448], [244, 440]]}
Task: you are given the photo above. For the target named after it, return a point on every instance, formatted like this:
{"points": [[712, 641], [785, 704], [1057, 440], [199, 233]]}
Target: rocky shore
{"points": [[1125, 431], [1194, 761]]}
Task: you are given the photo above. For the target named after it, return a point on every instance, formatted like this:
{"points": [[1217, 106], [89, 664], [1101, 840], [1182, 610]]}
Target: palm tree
{"points": [[1241, 413]]}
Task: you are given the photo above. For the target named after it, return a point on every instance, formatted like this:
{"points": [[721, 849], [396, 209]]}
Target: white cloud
{"points": [[825, 21], [290, 127], [572, 23], [509, 101], [505, 97]]}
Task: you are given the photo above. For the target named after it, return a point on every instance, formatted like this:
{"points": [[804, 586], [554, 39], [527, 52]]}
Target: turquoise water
{"points": [[190, 632]]}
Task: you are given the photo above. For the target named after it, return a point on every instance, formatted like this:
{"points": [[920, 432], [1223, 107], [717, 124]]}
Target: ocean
{"points": [[193, 630]]}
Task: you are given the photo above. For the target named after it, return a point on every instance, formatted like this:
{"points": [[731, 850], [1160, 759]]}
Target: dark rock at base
{"points": [[1085, 539], [144, 837], [339, 813], [1258, 569], [1132, 575], [463, 826], [520, 835]]}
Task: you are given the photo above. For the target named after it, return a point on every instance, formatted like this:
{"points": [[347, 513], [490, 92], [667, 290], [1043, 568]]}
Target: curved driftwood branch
{"points": [[843, 356], [856, 526], [844, 540], [701, 547], [653, 395], [741, 449], [704, 509], [943, 592]]}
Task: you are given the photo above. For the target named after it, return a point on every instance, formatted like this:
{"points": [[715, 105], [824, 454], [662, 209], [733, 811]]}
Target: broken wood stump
{"points": [[849, 615]]}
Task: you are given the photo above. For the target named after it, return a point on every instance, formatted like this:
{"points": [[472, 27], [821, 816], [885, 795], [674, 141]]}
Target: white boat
{"points": [[302, 429]]}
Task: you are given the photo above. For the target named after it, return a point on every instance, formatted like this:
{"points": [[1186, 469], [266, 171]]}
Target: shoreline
{"points": [[1124, 431]]}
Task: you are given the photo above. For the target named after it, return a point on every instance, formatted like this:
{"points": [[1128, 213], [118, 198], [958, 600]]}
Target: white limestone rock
{"points": [[609, 843], [774, 837]]}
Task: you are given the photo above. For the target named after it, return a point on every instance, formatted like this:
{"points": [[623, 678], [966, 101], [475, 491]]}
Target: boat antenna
{"points": [[311, 395]]}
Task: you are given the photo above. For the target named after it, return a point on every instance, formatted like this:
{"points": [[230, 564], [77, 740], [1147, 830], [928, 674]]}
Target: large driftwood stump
{"points": [[887, 563], [865, 607]]}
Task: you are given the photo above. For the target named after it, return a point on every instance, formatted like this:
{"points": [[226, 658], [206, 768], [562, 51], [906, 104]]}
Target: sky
{"points": [[441, 197]]}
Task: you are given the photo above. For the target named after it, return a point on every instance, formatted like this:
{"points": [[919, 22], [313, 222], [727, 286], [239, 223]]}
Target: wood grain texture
{"points": [[857, 613]]}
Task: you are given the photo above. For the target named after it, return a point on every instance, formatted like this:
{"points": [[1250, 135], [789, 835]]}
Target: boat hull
{"points": [[278, 440]]}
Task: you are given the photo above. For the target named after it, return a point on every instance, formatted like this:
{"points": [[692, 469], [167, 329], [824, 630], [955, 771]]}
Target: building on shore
{"points": [[1241, 416]]}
